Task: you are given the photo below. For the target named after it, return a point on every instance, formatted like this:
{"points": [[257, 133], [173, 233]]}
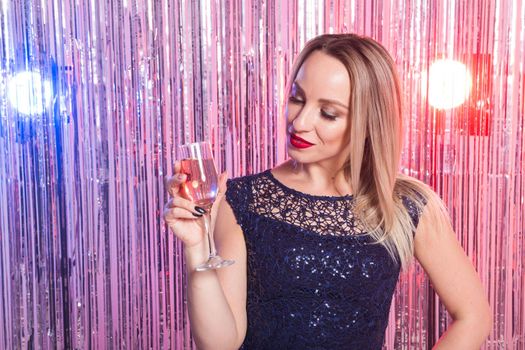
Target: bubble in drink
{"points": [[201, 181]]}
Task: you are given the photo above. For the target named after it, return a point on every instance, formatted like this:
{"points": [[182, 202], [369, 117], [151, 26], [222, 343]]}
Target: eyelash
{"points": [[328, 116], [323, 113], [294, 99]]}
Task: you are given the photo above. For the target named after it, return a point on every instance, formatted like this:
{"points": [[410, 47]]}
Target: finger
{"points": [[171, 215], [173, 183], [176, 167], [180, 202], [169, 204]]}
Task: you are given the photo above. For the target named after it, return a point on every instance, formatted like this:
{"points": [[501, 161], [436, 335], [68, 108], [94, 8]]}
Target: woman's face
{"points": [[317, 112]]}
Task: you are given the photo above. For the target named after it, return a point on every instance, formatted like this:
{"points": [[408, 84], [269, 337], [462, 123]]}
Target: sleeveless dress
{"points": [[314, 279]]}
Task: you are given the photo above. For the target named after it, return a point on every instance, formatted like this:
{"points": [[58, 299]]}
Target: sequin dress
{"points": [[314, 281]]}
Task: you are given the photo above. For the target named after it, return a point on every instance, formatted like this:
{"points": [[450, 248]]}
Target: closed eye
{"points": [[328, 115], [294, 99]]}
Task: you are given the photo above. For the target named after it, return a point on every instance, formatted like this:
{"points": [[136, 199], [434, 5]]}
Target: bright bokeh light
{"points": [[449, 84], [28, 93]]}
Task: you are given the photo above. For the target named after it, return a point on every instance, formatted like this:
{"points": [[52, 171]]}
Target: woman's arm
{"points": [[454, 279], [217, 298]]}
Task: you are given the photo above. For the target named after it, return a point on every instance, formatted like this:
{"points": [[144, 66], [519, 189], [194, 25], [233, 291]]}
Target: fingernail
{"points": [[200, 210], [196, 215]]}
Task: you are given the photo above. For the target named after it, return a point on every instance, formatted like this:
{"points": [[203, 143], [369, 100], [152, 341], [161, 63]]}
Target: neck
{"points": [[321, 176]]}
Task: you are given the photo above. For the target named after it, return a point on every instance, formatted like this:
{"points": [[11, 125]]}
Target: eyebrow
{"points": [[323, 100]]}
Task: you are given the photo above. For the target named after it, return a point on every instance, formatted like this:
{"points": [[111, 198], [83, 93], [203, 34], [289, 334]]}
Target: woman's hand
{"points": [[183, 216]]}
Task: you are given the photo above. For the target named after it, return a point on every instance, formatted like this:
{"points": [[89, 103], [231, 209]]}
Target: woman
{"points": [[320, 239]]}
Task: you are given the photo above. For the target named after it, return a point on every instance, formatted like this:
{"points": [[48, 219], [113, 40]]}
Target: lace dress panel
{"points": [[325, 215]]}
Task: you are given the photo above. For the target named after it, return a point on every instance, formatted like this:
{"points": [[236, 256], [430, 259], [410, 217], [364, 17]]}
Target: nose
{"points": [[303, 121]]}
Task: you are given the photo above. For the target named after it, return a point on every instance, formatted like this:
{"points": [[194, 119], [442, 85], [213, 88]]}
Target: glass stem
{"points": [[211, 243]]}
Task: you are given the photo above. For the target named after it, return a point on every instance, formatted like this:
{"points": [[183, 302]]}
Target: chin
{"points": [[309, 158]]}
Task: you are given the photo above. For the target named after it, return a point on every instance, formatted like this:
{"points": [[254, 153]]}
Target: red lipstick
{"points": [[298, 142]]}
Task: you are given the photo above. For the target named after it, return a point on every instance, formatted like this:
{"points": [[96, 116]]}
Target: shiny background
{"points": [[87, 262]]}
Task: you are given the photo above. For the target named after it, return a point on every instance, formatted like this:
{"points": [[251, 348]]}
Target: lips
{"points": [[298, 142]]}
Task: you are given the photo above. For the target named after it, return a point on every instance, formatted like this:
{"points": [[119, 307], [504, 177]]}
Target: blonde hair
{"points": [[376, 141]]}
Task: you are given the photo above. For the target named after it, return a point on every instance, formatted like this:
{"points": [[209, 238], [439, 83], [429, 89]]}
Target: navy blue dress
{"points": [[314, 281]]}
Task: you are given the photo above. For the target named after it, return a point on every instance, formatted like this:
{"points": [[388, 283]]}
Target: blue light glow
{"points": [[28, 93]]}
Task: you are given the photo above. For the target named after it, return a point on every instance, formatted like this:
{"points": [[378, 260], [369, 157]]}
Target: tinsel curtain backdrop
{"points": [[88, 134]]}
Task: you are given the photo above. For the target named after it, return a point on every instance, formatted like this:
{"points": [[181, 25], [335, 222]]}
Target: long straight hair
{"points": [[376, 142]]}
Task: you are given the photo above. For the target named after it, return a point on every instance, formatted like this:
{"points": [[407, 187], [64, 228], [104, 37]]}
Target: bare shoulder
{"points": [[227, 228], [434, 221]]}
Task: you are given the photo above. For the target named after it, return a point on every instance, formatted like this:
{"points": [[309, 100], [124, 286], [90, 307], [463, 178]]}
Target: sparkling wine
{"points": [[201, 181]]}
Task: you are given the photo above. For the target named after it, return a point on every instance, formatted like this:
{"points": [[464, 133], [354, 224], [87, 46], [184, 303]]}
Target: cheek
{"points": [[290, 112], [334, 133]]}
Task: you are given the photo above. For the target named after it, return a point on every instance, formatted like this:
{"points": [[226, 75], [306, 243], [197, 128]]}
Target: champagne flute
{"points": [[201, 187]]}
